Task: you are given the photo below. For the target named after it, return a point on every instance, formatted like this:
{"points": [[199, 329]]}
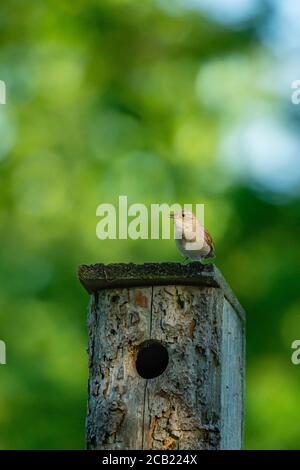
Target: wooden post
{"points": [[166, 358]]}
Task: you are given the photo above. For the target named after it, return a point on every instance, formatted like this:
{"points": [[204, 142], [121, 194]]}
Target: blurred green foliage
{"points": [[112, 97]]}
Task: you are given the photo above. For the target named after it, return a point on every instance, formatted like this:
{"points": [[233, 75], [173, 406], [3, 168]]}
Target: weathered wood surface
{"points": [[96, 276], [233, 376], [197, 403]]}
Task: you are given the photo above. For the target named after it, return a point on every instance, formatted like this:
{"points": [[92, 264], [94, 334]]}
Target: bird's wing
{"points": [[208, 239], [191, 236]]}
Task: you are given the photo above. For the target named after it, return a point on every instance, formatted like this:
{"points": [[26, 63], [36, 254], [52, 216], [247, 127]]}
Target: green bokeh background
{"points": [[150, 100]]}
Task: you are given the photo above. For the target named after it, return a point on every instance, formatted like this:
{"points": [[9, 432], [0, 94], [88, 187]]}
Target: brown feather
{"points": [[210, 242]]}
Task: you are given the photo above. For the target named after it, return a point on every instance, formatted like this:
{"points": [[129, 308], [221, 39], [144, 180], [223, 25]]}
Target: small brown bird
{"points": [[192, 239]]}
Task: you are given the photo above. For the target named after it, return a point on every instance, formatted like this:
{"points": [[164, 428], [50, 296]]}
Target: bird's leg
{"points": [[198, 261]]}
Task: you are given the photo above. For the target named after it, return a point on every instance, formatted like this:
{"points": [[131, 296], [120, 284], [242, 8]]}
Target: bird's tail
{"points": [[211, 254]]}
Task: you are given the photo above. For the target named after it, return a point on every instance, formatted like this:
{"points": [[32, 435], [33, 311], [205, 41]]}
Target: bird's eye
{"points": [[183, 214]]}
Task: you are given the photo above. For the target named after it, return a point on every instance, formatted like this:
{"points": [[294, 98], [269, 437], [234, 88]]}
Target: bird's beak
{"points": [[172, 215]]}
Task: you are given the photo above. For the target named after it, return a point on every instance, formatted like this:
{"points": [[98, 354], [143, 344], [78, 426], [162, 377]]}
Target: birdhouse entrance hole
{"points": [[152, 359]]}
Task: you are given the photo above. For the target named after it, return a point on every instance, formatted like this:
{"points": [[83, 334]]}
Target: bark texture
{"points": [[197, 402]]}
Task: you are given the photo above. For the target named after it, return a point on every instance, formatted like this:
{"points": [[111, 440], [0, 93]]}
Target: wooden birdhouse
{"points": [[166, 358]]}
